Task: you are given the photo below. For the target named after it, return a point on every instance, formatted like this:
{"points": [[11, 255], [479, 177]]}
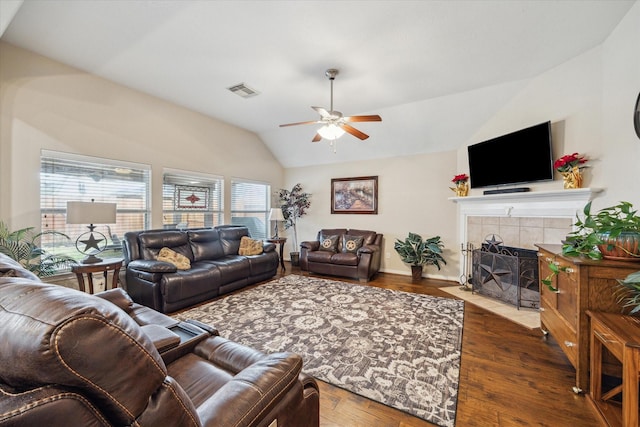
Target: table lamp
{"points": [[91, 213], [275, 214]]}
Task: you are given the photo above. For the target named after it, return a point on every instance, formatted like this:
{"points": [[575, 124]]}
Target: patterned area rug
{"points": [[397, 348]]}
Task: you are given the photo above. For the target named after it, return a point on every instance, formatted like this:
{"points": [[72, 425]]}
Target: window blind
{"points": [[250, 206], [67, 177], [192, 200]]}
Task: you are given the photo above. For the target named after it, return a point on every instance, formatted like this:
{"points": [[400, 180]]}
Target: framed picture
{"points": [[188, 198], [354, 195]]}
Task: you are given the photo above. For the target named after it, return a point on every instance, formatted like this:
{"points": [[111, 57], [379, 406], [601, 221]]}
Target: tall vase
{"points": [[572, 178], [461, 189]]}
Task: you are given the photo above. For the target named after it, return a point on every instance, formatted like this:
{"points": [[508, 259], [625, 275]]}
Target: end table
{"points": [[104, 266], [281, 241]]}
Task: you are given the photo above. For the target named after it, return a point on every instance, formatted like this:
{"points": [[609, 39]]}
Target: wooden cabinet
{"points": [[583, 285]]}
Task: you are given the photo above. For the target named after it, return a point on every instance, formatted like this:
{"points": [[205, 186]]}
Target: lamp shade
{"points": [[91, 213], [275, 214]]}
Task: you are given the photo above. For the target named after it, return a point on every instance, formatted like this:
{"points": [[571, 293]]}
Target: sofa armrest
{"points": [[313, 245], [368, 249], [152, 266], [268, 247], [119, 297], [253, 392]]}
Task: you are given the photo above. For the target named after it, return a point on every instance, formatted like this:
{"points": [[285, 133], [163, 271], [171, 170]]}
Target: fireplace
{"points": [[506, 273], [522, 219]]}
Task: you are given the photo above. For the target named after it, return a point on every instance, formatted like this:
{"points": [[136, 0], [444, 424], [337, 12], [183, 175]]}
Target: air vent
{"points": [[243, 90]]}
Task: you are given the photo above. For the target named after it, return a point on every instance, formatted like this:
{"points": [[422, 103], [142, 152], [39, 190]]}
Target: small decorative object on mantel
{"points": [[570, 166], [462, 187]]}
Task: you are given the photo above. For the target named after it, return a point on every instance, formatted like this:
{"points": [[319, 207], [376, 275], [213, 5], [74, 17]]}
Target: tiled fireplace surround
{"points": [[520, 219]]}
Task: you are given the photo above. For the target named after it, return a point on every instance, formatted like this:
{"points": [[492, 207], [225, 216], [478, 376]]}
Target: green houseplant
{"points": [[294, 204], [612, 232], [629, 292], [22, 246], [418, 252]]}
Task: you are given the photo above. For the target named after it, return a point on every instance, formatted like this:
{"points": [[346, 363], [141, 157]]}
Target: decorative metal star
{"points": [[494, 273], [91, 242], [493, 244]]}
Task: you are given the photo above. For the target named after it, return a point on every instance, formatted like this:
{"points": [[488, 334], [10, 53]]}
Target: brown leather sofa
{"points": [[216, 267], [70, 358], [343, 252]]}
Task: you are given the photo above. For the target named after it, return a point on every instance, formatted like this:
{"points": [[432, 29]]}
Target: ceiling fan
{"points": [[334, 123]]}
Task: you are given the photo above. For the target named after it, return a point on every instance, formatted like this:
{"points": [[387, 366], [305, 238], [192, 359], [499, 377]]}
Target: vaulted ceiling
{"points": [[434, 70]]}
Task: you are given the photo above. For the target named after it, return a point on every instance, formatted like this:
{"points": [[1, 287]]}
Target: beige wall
{"points": [[47, 105], [412, 197]]}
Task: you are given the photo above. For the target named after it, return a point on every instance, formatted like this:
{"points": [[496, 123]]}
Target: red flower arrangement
{"points": [[460, 178], [568, 162]]}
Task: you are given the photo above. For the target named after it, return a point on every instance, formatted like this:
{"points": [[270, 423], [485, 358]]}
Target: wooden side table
{"points": [[280, 241], [104, 266], [621, 336]]}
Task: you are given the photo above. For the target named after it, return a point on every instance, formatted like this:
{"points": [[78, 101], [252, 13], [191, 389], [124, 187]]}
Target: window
{"points": [[250, 206], [67, 177], [191, 200]]}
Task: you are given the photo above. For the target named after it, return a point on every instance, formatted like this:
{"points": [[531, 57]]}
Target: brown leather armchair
{"points": [[69, 358], [341, 252]]}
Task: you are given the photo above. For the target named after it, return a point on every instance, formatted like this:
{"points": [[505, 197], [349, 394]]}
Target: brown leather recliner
{"points": [[69, 358], [341, 252]]}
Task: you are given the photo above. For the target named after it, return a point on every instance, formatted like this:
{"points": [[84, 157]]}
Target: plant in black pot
{"points": [[612, 232], [418, 252], [294, 204]]}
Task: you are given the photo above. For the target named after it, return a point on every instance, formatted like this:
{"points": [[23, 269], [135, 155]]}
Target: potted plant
{"points": [[294, 204], [418, 252], [570, 167], [629, 292], [613, 232], [21, 245]]}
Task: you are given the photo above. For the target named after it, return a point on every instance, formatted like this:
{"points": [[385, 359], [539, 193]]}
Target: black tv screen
{"points": [[518, 157]]}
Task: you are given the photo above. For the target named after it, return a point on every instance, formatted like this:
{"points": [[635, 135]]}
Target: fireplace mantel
{"points": [[548, 204], [535, 204]]}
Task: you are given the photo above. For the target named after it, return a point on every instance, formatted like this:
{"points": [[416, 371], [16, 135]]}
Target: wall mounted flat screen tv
{"points": [[518, 157]]}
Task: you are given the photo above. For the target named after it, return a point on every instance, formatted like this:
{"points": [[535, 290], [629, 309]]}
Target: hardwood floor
{"points": [[509, 376]]}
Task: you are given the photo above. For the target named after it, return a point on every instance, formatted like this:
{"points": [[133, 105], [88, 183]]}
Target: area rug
{"points": [[397, 348]]}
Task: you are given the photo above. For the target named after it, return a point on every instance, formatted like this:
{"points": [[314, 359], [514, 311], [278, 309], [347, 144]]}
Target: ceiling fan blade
{"points": [[316, 138], [353, 131], [371, 118], [322, 111], [300, 123]]}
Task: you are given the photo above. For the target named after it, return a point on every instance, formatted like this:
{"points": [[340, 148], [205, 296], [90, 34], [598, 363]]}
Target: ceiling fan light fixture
{"points": [[331, 131]]}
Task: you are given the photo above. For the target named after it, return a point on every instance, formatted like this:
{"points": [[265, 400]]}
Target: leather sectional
{"points": [[70, 358], [216, 267]]}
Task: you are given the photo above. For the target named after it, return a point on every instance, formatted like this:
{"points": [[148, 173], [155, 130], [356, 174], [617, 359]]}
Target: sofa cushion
{"points": [[351, 243], [249, 246], [329, 243], [319, 256], [369, 236], [180, 261], [152, 241], [205, 244], [344, 258]]}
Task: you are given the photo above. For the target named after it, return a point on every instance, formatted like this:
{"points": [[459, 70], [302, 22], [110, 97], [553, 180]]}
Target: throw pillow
{"points": [[248, 246], [351, 243], [329, 243], [8, 273], [180, 261]]}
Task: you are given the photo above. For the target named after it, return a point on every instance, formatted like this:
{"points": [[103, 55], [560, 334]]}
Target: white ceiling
{"points": [[434, 70]]}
